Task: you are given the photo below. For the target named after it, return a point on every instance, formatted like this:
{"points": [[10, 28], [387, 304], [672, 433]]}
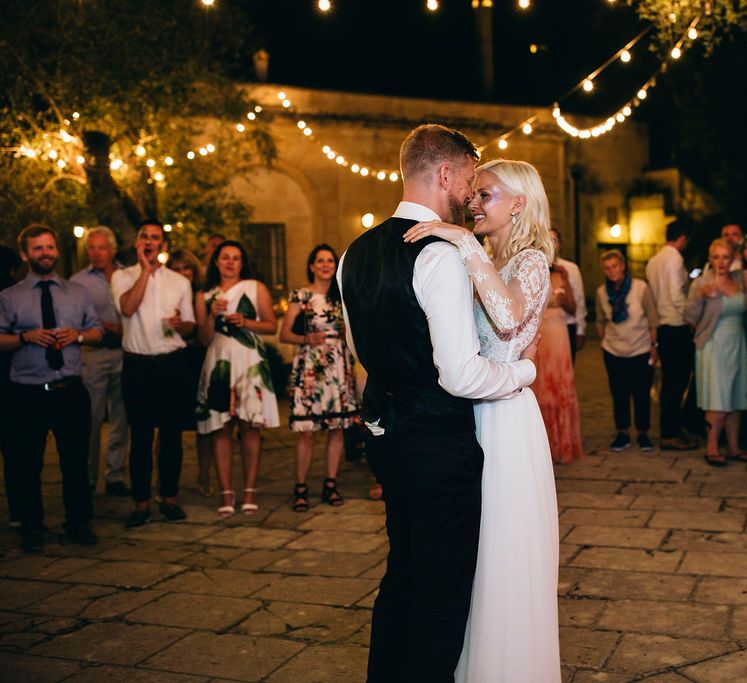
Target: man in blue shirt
{"points": [[44, 319], [102, 365]]}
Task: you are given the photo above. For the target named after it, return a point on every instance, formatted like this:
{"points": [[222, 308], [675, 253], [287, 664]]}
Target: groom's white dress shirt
{"points": [[444, 292]]}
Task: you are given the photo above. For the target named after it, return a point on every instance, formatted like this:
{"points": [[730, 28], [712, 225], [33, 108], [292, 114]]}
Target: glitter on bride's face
{"points": [[491, 205]]}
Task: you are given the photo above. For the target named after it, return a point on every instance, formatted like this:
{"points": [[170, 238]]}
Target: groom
{"points": [[408, 309]]}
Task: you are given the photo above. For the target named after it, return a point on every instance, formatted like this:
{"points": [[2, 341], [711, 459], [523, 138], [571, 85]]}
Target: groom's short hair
{"points": [[432, 144]]}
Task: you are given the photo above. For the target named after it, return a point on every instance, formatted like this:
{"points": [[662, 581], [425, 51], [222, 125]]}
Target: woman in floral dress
{"points": [[322, 395], [236, 384]]}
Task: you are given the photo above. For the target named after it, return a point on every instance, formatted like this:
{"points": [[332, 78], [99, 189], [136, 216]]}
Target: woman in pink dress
{"points": [[555, 386]]}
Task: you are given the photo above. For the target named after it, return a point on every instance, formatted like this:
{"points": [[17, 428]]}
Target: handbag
{"points": [[299, 324]]}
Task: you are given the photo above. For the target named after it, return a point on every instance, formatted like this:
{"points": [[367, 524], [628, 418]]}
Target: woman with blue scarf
{"points": [[627, 321]]}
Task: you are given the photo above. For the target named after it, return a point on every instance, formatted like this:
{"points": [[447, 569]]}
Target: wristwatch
{"points": [[80, 337]]}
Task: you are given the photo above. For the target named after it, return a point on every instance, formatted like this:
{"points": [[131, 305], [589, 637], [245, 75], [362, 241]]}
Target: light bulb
{"points": [[676, 53], [526, 128], [210, 148], [364, 171], [355, 168], [168, 227], [169, 161], [203, 151], [588, 85], [381, 175], [207, 3], [524, 4], [150, 163], [52, 154], [394, 176], [625, 56], [692, 34], [367, 220], [159, 177], [251, 116], [190, 154], [240, 127], [502, 143], [307, 131], [79, 231], [163, 258], [116, 164], [286, 103], [432, 5], [627, 111], [324, 5], [281, 95], [301, 124], [326, 149], [76, 115], [140, 151], [616, 230], [340, 159], [642, 94], [80, 159]]}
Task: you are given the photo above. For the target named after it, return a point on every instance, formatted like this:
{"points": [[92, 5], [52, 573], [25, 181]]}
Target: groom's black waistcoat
{"points": [[391, 335]]}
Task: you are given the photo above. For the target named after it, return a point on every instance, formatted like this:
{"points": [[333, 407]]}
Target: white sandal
{"points": [[249, 508], [227, 510]]}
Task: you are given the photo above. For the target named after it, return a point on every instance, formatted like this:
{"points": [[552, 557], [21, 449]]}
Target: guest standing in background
{"points": [[555, 386], [157, 314], [9, 264], [187, 264], [322, 381], [44, 319], [576, 321], [668, 280], [716, 305], [236, 382], [102, 365], [627, 322], [213, 242]]}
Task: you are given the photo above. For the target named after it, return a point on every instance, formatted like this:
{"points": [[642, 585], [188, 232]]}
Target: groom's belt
{"points": [[419, 409]]}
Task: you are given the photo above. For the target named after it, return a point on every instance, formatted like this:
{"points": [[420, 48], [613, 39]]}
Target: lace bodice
{"points": [[511, 301]]}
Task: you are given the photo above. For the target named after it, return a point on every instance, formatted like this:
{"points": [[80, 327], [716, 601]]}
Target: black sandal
{"points": [[300, 498], [330, 494], [717, 460]]}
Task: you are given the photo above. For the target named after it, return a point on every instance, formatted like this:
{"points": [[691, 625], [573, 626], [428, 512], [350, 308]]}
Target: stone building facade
{"points": [[306, 198]]}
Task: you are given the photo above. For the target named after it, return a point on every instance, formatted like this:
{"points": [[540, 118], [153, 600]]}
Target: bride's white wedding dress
{"points": [[512, 631]]}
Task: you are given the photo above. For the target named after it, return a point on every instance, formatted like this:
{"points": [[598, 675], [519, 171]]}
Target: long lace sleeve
{"points": [[507, 303]]}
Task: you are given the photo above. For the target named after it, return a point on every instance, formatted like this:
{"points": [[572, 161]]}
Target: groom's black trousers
{"points": [[431, 486]]}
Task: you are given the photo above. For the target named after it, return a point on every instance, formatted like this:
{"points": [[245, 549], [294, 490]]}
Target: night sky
{"points": [[397, 47]]}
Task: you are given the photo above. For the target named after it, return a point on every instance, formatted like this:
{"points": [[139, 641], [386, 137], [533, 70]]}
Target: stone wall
{"points": [[319, 200]]}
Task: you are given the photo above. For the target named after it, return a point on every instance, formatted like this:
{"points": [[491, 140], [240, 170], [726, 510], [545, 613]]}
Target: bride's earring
{"points": [[513, 219]]}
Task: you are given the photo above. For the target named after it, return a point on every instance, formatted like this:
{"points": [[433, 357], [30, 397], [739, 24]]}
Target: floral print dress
{"points": [[322, 386], [236, 379]]}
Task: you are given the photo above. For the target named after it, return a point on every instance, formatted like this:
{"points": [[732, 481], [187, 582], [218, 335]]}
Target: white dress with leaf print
{"points": [[512, 631], [236, 379]]}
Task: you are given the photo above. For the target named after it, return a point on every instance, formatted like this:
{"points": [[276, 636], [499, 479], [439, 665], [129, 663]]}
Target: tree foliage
{"points": [[716, 19], [91, 90]]}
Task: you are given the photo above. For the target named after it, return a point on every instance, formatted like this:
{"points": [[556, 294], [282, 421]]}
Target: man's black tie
{"points": [[49, 322]]}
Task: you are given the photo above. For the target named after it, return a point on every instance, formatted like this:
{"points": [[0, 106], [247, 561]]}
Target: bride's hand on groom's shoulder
{"points": [[447, 231], [530, 352]]}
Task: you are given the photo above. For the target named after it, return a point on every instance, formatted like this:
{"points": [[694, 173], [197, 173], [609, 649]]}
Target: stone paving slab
{"points": [[717, 591], [731, 667], [125, 574], [111, 643], [317, 590], [235, 657], [617, 537], [229, 582], [714, 564], [324, 663], [625, 584], [113, 674], [314, 562], [23, 667]]}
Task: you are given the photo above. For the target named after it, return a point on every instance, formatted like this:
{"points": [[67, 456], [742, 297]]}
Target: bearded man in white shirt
{"points": [[408, 309], [156, 308], [668, 280]]}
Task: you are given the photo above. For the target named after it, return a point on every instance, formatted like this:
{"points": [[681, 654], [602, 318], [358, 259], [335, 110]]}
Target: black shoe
{"points": [[32, 541], [137, 518], [117, 488], [172, 513], [644, 443], [82, 535], [621, 442]]}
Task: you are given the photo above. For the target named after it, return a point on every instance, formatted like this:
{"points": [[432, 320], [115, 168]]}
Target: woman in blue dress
{"points": [[715, 306]]}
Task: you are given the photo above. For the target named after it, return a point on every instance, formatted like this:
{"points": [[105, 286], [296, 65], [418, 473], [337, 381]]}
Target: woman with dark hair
{"points": [[236, 383], [322, 383], [187, 264], [627, 322]]}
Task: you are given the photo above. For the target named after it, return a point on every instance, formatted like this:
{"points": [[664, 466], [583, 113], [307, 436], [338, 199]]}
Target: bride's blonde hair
{"points": [[532, 228]]}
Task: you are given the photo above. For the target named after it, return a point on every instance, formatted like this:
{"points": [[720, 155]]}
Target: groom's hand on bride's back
{"points": [[530, 352]]}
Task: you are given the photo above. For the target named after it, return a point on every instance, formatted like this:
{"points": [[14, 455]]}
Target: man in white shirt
{"points": [[576, 322], [157, 312], [668, 280], [408, 309]]}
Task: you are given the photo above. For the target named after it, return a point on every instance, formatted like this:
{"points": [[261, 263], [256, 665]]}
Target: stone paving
{"points": [[653, 578]]}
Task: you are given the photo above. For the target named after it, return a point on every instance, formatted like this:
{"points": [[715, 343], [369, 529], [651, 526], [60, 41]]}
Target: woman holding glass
{"points": [[322, 384], [236, 383]]}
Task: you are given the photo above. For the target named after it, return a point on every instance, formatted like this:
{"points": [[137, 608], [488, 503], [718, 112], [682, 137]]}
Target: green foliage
{"points": [[672, 18], [158, 74]]}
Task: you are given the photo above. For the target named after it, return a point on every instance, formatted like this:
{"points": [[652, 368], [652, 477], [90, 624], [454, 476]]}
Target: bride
{"points": [[512, 631]]}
